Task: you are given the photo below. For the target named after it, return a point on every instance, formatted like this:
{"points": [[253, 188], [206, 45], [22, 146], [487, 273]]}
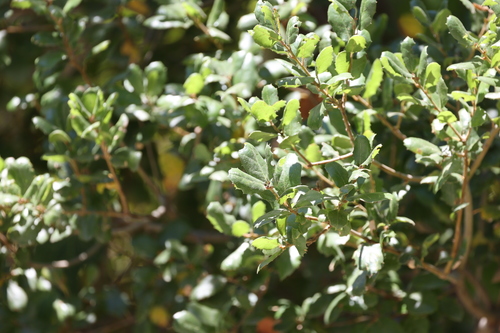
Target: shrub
{"points": [[359, 178]]}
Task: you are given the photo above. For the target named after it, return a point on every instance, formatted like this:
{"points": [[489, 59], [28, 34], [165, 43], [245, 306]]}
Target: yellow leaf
{"points": [[172, 168], [409, 24], [159, 316]]}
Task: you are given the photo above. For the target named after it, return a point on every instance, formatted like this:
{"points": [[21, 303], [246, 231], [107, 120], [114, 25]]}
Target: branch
{"points": [[19, 29], [69, 50], [428, 267], [392, 172], [121, 194], [338, 158], [72, 262], [397, 133], [487, 145], [311, 166]]}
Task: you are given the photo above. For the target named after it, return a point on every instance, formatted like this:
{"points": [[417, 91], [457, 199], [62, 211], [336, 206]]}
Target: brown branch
{"points": [[479, 288], [397, 133], [19, 29], [487, 145], [338, 158], [77, 172], [315, 238], [311, 166], [69, 50], [331, 99], [72, 262], [428, 267], [262, 291], [392, 172], [205, 30], [470, 305], [121, 194]]}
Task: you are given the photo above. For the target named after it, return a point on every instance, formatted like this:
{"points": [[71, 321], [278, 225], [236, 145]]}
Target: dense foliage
{"points": [[352, 181]]}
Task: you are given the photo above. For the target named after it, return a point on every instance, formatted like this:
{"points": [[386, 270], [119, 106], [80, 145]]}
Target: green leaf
{"points": [[294, 81], [270, 217], [264, 13], [315, 119], [287, 173], [291, 112], [156, 75], [409, 57], [366, 13], [194, 84], [333, 310], [125, 157], [362, 149], [17, 299], [373, 197], [428, 241], [369, 258], [342, 62], [421, 15], [186, 322], [78, 122], [394, 65], [265, 243], [432, 75], [260, 136], [341, 21], [71, 4], [215, 13], [208, 287], [338, 173], [421, 303], [221, 221], [324, 59], [254, 163], [458, 31], [292, 29], [308, 45], [59, 136], [234, 261], [340, 223], [421, 146], [355, 44], [21, 170], [243, 181], [374, 79], [264, 37], [422, 64], [288, 262], [263, 111], [439, 23], [446, 117], [270, 94], [270, 256]]}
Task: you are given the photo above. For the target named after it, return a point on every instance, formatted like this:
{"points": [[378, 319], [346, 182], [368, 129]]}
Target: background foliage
{"points": [[353, 167]]}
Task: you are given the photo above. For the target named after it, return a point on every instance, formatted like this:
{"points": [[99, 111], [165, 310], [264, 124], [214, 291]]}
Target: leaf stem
{"points": [[121, 194], [309, 165], [338, 158]]}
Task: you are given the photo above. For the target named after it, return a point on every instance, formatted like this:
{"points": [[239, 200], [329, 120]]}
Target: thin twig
{"points": [[338, 158], [72, 262], [119, 189], [486, 146], [392, 172], [205, 30], [262, 291], [397, 133], [19, 29], [311, 166], [69, 50]]}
